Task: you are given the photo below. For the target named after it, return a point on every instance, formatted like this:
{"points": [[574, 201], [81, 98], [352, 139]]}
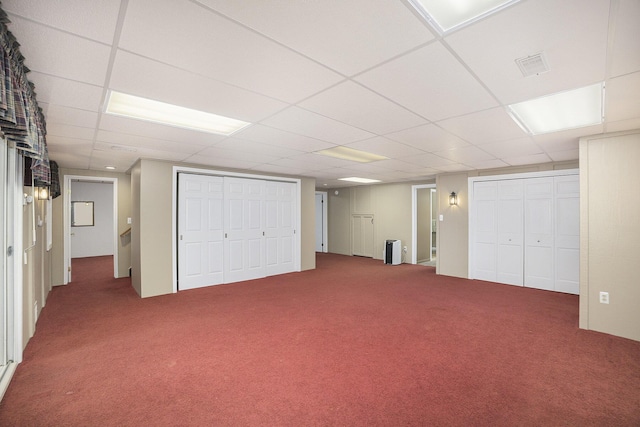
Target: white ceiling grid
{"points": [[311, 75]]}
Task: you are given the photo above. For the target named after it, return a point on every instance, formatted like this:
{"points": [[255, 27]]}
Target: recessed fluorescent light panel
{"points": [[448, 15], [565, 110], [359, 180], [122, 104], [345, 153]]}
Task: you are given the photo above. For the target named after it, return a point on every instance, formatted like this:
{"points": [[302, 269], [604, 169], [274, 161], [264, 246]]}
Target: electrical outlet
{"points": [[404, 249], [604, 297]]}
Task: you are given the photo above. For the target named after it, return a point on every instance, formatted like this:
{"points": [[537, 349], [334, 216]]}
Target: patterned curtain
{"points": [[21, 120]]}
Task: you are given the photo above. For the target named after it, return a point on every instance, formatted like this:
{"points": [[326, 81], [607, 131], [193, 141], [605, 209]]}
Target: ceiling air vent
{"points": [[533, 65]]}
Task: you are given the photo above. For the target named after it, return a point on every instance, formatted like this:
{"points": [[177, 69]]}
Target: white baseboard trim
{"points": [[6, 378]]}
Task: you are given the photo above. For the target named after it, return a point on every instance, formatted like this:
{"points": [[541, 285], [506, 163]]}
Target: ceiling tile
{"points": [[511, 148], [400, 165], [313, 125], [71, 160], [212, 153], [91, 19], [484, 126], [561, 156], [428, 160], [385, 147], [346, 36], [280, 170], [214, 46], [55, 114], [66, 131], [491, 46], [428, 138], [623, 125], [353, 104], [66, 93], [280, 138], [487, 164], [61, 54], [239, 144], [528, 160], [625, 53], [622, 98], [221, 162], [127, 141], [564, 140], [466, 155], [194, 91], [156, 131], [434, 92]]}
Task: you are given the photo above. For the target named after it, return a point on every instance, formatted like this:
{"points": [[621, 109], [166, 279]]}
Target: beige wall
{"points": [[390, 205], [124, 211], [610, 233], [453, 230], [308, 216], [152, 261]]}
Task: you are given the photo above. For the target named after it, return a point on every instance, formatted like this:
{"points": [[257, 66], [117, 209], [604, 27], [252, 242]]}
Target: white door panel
{"points": [[538, 271], [485, 231], [510, 232], [280, 202], [244, 242], [200, 231]]}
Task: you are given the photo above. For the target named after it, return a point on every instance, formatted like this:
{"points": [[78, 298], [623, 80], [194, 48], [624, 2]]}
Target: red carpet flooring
{"points": [[352, 343]]}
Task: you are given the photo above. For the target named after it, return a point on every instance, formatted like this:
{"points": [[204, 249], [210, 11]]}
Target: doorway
{"points": [[424, 225], [90, 219]]}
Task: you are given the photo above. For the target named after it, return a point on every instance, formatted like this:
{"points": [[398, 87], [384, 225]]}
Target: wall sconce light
{"points": [[42, 193], [453, 199]]}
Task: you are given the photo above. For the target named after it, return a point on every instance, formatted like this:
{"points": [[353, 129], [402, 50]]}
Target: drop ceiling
{"points": [[370, 75]]}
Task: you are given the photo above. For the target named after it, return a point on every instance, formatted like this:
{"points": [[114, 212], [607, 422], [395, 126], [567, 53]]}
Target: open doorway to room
{"points": [[91, 207], [424, 224]]}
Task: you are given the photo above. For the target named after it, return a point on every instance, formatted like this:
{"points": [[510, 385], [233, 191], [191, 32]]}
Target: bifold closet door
{"points": [[485, 200], [280, 214], [510, 232], [200, 231], [244, 229], [539, 234]]}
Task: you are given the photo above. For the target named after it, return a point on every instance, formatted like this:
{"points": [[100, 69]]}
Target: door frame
{"points": [[66, 202], [213, 172], [414, 220], [472, 212], [14, 264], [325, 226]]}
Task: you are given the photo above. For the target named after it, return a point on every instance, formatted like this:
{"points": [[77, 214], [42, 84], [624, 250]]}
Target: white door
{"points": [[362, 235], [319, 222], [200, 231], [567, 241], [279, 207], [510, 232], [485, 197], [539, 242], [244, 228]]}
